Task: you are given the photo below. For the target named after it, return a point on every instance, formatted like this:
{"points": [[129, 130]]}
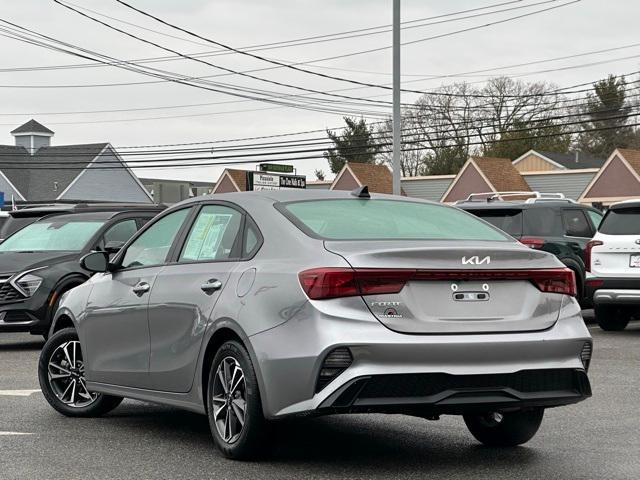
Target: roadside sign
{"points": [[275, 167], [271, 181]]}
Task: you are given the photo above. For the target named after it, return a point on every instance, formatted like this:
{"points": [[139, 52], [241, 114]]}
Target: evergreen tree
{"points": [[356, 143]]}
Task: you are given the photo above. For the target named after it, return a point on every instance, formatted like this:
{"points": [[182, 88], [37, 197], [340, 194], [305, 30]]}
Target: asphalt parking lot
{"points": [[595, 439]]}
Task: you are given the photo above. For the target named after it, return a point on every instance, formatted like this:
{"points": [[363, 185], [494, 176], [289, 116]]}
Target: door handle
{"points": [[140, 288], [211, 286]]}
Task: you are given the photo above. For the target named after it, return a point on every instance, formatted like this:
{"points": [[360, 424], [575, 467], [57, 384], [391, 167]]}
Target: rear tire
{"points": [[505, 430], [61, 375], [612, 318], [234, 409]]}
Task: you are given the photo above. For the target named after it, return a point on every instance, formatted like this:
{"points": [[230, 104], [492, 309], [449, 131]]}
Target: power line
{"points": [[289, 152], [342, 79], [219, 88], [183, 165], [264, 46]]}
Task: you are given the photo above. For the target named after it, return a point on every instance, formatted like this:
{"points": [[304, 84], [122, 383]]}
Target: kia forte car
{"points": [[252, 307]]}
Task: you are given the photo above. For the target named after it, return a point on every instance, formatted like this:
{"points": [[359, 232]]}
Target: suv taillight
{"points": [[587, 253], [323, 283], [531, 242]]}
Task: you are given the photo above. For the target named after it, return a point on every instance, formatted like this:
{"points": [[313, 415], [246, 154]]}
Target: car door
{"points": [[115, 328], [186, 290]]}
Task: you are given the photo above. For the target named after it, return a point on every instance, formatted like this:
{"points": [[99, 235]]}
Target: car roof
{"points": [[43, 210], [502, 205], [293, 195], [625, 204]]}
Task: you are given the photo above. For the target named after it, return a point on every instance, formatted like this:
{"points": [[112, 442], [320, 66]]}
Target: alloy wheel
{"points": [[66, 376], [229, 399]]}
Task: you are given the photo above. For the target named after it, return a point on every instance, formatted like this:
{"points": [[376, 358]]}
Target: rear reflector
{"points": [[323, 283]]}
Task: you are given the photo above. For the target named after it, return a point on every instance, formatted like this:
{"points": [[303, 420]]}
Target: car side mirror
{"points": [[97, 262], [114, 246]]}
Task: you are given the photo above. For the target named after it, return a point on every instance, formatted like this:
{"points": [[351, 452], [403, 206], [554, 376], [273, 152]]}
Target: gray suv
{"points": [[251, 307]]}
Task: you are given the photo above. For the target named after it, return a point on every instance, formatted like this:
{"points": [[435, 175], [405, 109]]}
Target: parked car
{"points": [[255, 306], [39, 262], [613, 261], [547, 222]]}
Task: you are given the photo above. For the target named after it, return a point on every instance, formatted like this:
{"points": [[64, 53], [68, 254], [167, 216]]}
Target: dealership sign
{"points": [[271, 181], [276, 168]]}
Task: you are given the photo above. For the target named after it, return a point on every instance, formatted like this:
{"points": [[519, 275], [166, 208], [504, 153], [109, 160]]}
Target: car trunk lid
{"points": [[455, 286]]}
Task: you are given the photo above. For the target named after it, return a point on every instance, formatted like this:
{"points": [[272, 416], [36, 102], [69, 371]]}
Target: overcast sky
{"points": [[580, 27]]}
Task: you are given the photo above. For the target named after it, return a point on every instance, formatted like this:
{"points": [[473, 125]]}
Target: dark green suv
{"points": [[550, 223]]}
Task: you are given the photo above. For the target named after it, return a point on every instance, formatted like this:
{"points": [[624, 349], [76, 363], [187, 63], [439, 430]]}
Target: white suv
{"points": [[613, 264]]}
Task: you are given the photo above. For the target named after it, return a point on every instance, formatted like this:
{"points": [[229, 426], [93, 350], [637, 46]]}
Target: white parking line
{"points": [[17, 393], [6, 434]]}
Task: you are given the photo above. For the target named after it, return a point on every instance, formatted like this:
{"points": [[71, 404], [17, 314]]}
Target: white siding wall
{"points": [[571, 184], [426, 188]]}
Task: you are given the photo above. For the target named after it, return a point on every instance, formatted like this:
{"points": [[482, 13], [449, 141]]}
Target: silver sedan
{"points": [[251, 307]]}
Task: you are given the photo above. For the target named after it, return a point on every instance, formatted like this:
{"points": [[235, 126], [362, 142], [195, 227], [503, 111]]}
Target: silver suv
{"points": [[251, 307]]}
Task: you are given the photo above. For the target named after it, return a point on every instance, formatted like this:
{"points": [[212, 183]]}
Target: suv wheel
{"points": [[612, 318], [61, 375], [235, 410], [504, 429]]}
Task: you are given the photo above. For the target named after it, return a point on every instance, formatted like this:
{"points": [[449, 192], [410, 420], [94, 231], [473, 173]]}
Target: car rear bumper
{"points": [[619, 291], [421, 374], [437, 393]]}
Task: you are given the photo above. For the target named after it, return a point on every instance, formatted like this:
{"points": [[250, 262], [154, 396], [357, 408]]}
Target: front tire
{"points": [[505, 429], [61, 376], [235, 413], [612, 318]]}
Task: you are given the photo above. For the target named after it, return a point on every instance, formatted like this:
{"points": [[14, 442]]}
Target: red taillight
{"points": [[594, 282], [587, 253], [531, 242], [321, 283]]}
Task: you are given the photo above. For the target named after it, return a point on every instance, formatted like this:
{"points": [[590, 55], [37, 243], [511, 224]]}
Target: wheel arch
{"points": [[64, 284], [579, 269], [226, 330]]}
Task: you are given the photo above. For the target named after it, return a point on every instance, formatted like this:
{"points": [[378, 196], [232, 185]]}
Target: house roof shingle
{"points": [[632, 157], [378, 178], [502, 174], [39, 182], [32, 126]]}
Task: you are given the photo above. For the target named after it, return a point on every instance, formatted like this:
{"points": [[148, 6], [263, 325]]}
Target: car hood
{"points": [[11, 262]]}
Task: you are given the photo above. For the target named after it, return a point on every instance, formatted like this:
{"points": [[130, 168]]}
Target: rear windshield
{"points": [[508, 220], [386, 220], [621, 222]]}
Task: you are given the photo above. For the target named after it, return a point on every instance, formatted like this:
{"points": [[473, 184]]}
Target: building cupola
{"points": [[32, 135]]}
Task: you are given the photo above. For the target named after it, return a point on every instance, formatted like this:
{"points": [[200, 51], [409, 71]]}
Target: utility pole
{"points": [[397, 136]]}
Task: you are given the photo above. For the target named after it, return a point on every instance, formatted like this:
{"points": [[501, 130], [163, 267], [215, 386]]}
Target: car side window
{"points": [[153, 245], [252, 239], [542, 221], [596, 218], [213, 236], [576, 223], [120, 232]]}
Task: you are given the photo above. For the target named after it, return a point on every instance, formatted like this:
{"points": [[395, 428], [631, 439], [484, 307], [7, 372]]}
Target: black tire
{"points": [[612, 318], [246, 441], [505, 430], [52, 389]]}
